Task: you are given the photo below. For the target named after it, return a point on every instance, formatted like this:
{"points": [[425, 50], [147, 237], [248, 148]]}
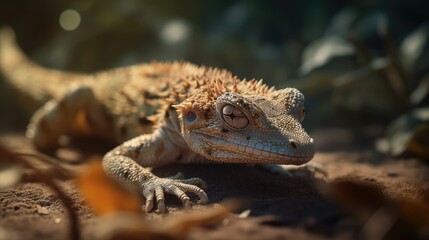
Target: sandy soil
{"points": [[282, 207]]}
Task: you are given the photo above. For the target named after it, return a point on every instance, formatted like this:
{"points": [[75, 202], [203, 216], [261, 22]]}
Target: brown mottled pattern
{"points": [[161, 113]]}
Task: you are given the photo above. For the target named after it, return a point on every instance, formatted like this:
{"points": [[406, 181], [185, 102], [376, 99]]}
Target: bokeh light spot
{"points": [[175, 31], [69, 19]]}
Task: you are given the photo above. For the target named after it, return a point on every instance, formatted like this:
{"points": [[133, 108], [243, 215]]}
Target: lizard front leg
{"points": [[57, 117], [127, 162]]}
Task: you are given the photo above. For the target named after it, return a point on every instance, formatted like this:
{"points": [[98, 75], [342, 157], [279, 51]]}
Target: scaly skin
{"points": [[165, 113]]}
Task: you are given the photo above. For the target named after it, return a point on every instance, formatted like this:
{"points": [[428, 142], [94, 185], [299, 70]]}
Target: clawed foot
{"points": [[175, 185]]}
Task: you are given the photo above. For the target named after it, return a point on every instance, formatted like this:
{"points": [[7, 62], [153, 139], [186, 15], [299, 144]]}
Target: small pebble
{"points": [[42, 210], [244, 214]]}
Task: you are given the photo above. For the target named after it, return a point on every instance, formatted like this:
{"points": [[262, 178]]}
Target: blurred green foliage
{"points": [[252, 38]]}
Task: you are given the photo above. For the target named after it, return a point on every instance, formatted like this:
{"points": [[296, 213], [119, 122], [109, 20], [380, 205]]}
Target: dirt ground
{"points": [[281, 207]]}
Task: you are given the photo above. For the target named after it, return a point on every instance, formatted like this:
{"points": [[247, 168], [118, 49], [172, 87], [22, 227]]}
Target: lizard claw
{"points": [[178, 187], [148, 205]]}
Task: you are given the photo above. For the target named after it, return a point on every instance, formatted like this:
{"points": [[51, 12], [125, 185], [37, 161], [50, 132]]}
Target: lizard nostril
{"points": [[293, 144]]}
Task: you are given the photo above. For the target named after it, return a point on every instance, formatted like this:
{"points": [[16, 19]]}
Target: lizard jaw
{"points": [[240, 151]]}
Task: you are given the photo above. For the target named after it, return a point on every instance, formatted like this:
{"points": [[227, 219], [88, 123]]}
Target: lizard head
{"points": [[249, 128]]}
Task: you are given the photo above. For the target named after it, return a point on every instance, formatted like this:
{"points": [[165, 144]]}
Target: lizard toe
{"points": [[159, 194], [161, 206], [178, 187], [148, 194], [203, 199], [194, 181], [173, 189]]}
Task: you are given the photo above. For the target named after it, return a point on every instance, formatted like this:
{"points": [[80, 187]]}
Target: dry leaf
{"points": [[382, 216], [421, 92], [413, 49], [322, 51], [104, 194], [135, 226], [182, 224], [9, 157], [408, 132]]}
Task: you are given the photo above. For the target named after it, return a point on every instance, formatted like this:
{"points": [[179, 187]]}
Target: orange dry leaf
{"points": [[383, 216], [174, 227], [104, 194]]}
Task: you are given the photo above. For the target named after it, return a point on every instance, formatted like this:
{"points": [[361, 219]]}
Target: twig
{"points": [[49, 160], [394, 73], [67, 202], [360, 48]]}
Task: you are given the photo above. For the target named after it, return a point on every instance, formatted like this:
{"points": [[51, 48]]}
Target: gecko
{"points": [[160, 113]]}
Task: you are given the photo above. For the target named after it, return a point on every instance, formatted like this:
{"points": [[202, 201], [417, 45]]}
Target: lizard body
{"points": [[161, 113]]}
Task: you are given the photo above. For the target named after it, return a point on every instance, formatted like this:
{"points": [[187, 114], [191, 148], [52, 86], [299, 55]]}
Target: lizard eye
{"points": [[234, 117], [190, 116]]}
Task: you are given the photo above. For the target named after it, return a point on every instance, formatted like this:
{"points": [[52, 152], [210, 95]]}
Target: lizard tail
{"points": [[34, 84]]}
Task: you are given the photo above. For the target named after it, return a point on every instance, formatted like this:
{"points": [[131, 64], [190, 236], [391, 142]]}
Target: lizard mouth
{"points": [[239, 151]]}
